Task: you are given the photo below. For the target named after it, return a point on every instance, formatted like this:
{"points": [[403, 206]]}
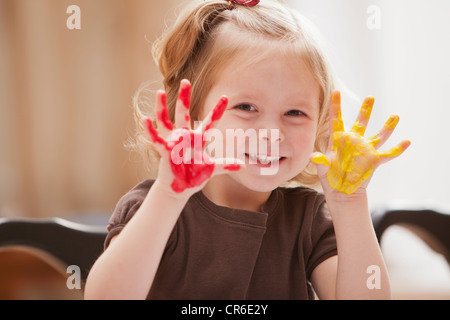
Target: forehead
{"points": [[239, 51], [247, 62], [266, 69]]}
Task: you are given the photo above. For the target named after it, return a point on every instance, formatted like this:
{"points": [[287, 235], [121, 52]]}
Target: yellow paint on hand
{"points": [[338, 124], [391, 123], [397, 150], [321, 159], [353, 163], [355, 157], [389, 126], [364, 115]]}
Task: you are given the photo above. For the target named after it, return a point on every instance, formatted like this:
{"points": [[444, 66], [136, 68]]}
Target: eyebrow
{"points": [[294, 100]]}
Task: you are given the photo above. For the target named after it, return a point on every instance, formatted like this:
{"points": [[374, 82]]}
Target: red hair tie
{"points": [[248, 3]]}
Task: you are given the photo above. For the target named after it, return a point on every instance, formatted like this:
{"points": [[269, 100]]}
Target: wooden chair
{"points": [[431, 225], [64, 243], [58, 242]]}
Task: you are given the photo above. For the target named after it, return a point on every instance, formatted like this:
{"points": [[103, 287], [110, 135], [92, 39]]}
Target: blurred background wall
{"points": [[65, 102], [65, 95], [396, 51]]}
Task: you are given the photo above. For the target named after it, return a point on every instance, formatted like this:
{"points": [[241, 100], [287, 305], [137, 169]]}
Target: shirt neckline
{"points": [[239, 216]]}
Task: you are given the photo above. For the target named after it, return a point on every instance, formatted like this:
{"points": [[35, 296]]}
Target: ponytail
{"points": [[176, 50]]}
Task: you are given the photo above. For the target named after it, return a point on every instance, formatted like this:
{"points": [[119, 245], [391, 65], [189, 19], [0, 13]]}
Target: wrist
{"points": [[161, 199], [165, 191], [340, 204]]}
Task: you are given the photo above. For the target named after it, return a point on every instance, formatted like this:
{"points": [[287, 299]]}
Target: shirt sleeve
{"points": [[323, 239], [125, 209]]}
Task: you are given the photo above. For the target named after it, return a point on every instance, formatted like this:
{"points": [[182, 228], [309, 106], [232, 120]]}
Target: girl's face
{"points": [[277, 94]]}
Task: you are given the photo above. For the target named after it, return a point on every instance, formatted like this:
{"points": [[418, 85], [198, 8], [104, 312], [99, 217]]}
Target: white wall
{"points": [[405, 65]]}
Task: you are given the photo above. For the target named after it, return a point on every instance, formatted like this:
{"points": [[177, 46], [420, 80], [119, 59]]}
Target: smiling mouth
{"points": [[263, 160]]}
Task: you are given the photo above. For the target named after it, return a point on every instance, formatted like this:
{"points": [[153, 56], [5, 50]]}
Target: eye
{"points": [[295, 113], [245, 107]]}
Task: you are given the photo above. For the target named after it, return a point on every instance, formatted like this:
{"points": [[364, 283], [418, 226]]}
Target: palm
{"points": [[351, 158], [181, 148]]}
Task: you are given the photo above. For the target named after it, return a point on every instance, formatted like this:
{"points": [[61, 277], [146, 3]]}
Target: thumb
{"points": [[322, 163]]}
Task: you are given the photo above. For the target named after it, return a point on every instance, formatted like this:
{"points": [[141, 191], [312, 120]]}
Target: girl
{"points": [[217, 228]]}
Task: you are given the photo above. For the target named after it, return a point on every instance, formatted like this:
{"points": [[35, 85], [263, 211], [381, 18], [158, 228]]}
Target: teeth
{"points": [[263, 159]]}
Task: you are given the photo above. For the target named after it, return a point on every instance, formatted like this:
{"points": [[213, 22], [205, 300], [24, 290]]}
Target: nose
{"points": [[270, 135], [270, 131], [269, 141]]}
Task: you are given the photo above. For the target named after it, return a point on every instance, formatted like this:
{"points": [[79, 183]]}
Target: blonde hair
{"points": [[195, 49]]}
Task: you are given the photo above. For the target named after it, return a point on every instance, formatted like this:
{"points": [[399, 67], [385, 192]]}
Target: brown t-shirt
{"points": [[216, 252]]}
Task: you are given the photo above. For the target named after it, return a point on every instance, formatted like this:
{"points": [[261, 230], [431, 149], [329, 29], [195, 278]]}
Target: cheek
{"points": [[216, 139], [302, 143], [232, 137]]}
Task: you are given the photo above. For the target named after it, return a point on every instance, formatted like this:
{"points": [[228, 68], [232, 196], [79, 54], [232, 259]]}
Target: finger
{"points": [[227, 165], [215, 114], [322, 163], [381, 137], [336, 122], [157, 140], [394, 152], [320, 159], [363, 118], [335, 112], [182, 118], [162, 114]]}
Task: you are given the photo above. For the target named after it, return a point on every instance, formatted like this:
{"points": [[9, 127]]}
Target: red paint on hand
{"points": [[154, 134], [218, 111], [191, 174], [185, 94], [232, 167], [187, 174], [163, 114]]}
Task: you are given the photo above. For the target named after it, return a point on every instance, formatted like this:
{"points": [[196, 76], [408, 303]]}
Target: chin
{"points": [[259, 183]]}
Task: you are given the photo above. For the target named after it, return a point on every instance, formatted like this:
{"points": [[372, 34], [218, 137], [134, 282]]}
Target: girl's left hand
{"points": [[351, 159]]}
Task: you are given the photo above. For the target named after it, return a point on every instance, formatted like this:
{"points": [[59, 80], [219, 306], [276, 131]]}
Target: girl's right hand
{"points": [[184, 166]]}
